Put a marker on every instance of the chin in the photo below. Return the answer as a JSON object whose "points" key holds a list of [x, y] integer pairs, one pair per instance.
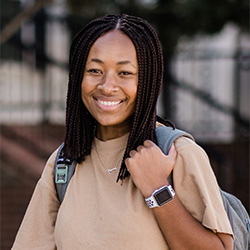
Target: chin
{"points": [[111, 122]]}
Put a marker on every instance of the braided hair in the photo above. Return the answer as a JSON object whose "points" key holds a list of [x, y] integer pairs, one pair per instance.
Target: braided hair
{"points": [[80, 125]]}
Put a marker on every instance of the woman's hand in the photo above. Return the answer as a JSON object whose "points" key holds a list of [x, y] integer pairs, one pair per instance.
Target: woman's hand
{"points": [[149, 167]]}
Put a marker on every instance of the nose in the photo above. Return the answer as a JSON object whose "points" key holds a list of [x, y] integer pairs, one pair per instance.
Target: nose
{"points": [[108, 84]]}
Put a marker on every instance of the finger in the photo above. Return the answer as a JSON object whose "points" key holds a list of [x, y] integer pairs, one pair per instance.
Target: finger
{"points": [[132, 153], [148, 143], [139, 148], [127, 163], [172, 151]]}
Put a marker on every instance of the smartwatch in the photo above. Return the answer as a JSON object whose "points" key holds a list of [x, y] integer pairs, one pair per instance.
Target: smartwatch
{"points": [[161, 197]]}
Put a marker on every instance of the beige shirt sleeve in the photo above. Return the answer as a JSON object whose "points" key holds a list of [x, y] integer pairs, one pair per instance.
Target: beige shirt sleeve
{"points": [[37, 229], [197, 188]]}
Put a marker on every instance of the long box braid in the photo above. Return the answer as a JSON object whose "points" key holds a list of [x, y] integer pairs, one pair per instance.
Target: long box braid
{"points": [[80, 125]]}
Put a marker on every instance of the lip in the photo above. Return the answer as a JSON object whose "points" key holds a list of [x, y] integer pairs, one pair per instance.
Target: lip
{"points": [[107, 104]]}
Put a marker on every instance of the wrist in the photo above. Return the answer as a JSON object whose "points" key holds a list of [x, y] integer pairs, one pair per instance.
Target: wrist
{"points": [[161, 196], [147, 192]]}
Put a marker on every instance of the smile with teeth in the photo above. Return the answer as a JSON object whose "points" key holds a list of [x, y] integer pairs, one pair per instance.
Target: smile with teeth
{"points": [[109, 103]]}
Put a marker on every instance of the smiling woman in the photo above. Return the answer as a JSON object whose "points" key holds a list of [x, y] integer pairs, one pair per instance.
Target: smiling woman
{"points": [[109, 85], [115, 76]]}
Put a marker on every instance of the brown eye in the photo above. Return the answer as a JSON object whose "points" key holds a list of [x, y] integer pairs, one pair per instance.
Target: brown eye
{"points": [[125, 73], [94, 71]]}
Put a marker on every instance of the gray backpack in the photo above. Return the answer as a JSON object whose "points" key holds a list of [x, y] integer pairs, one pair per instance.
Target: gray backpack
{"points": [[237, 214]]}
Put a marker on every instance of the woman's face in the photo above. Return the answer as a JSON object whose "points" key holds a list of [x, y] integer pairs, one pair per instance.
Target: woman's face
{"points": [[109, 84]]}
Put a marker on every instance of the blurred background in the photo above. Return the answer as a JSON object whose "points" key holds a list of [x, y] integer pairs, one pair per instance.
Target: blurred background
{"points": [[206, 45]]}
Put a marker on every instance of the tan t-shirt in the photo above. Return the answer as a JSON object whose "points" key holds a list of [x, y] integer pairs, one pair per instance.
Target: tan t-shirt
{"points": [[98, 213]]}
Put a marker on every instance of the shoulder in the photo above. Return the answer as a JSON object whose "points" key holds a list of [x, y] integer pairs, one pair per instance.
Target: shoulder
{"points": [[196, 186], [184, 142], [192, 164], [189, 148], [47, 177]]}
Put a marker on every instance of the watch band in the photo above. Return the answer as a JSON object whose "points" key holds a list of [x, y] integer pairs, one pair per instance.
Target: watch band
{"points": [[161, 196]]}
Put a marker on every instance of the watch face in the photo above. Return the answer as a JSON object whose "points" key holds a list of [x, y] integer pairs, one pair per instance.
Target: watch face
{"points": [[163, 196]]}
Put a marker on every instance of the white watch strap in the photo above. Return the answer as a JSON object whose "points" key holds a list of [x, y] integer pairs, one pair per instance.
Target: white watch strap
{"points": [[152, 202]]}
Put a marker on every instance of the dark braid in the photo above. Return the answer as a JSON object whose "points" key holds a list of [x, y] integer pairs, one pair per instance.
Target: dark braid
{"points": [[80, 125]]}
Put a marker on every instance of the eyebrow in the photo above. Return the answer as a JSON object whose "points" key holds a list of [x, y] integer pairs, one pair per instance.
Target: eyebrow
{"points": [[126, 62], [119, 63], [96, 60]]}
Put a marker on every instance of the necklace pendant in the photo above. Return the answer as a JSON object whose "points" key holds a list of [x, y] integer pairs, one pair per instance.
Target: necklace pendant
{"points": [[111, 170]]}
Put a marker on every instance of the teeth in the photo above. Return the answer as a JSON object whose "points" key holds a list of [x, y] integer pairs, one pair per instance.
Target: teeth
{"points": [[108, 103]]}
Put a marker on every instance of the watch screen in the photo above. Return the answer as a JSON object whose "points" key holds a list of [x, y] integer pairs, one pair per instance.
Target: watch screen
{"points": [[163, 196]]}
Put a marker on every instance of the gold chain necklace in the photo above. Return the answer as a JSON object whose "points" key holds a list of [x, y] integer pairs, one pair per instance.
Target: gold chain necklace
{"points": [[109, 170]]}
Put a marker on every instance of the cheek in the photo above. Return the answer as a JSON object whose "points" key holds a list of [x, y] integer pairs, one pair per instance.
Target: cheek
{"points": [[133, 93], [133, 97], [84, 92], [86, 86]]}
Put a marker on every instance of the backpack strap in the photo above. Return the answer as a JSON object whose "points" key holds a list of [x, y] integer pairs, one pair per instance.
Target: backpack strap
{"points": [[165, 137], [63, 171], [237, 214], [239, 220]]}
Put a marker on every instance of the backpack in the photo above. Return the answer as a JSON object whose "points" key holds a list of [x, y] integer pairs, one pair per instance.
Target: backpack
{"points": [[237, 214]]}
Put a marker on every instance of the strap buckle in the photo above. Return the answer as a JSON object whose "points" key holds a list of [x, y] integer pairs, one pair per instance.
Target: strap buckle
{"points": [[61, 175]]}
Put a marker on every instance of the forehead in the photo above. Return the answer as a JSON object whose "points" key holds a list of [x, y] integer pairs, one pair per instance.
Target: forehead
{"points": [[113, 36], [114, 43]]}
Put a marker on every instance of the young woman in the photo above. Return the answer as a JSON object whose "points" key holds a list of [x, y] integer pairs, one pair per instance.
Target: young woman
{"points": [[115, 76]]}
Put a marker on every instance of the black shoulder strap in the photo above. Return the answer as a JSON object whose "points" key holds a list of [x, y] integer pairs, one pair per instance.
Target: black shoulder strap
{"points": [[63, 171]]}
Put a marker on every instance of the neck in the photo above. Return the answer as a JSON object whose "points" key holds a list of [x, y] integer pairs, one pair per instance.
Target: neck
{"points": [[105, 133]]}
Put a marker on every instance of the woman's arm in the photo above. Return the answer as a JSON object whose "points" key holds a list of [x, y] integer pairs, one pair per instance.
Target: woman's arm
{"points": [[37, 228], [149, 169], [182, 231]]}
